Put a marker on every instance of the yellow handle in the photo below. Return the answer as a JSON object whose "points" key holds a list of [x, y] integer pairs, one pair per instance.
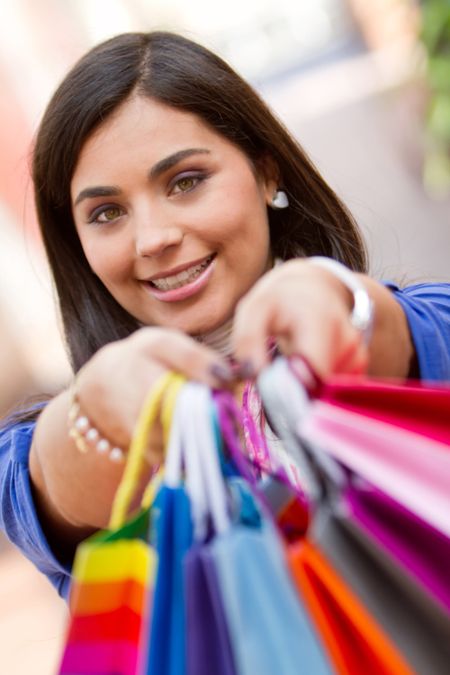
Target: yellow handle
{"points": [[167, 409], [136, 453]]}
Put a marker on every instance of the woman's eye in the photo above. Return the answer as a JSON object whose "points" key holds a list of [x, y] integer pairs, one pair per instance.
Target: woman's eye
{"points": [[186, 184], [106, 215]]}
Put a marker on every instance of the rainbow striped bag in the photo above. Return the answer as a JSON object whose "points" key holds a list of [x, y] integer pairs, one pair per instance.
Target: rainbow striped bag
{"points": [[114, 571]]}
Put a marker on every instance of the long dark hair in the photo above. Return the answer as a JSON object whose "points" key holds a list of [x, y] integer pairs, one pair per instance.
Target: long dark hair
{"points": [[182, 74]]}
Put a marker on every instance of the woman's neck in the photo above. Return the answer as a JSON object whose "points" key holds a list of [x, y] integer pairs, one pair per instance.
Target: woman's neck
{"points": [[219, 339]]}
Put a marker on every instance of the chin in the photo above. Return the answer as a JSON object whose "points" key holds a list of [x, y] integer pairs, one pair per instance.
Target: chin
{"points": [[202, 327], [200, 316], [208, 322]]}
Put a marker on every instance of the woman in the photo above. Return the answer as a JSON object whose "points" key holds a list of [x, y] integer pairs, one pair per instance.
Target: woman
{"points": [[169, 200]]}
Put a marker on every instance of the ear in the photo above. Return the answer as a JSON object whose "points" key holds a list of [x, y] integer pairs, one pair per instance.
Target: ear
{"points": [[270, 176]]}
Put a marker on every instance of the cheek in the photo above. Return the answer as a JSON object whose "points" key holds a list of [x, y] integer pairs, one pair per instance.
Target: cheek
{"points": [[105, 258], [237, 215]]}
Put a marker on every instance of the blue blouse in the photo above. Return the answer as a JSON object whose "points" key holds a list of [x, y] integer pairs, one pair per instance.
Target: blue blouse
{"points": [[427, 308]]}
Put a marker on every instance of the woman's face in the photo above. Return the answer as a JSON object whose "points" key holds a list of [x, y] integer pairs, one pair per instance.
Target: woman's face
{"points": [[171, 216]]}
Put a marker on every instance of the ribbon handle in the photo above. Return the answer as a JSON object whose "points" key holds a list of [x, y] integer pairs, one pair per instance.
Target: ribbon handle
{"points": [[165, 389]]}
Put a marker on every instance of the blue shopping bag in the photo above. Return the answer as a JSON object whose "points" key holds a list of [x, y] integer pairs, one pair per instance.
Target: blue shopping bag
{"points": [[172, 537]]}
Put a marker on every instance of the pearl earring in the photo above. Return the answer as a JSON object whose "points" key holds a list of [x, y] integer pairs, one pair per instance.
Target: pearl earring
{"points": [[279, 200]]}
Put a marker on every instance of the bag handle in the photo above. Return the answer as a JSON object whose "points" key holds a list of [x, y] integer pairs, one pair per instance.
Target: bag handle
{"points": [[193, 446], [288, 403], [195, 485], [147, 417], [229, 414], [280, 397], [172, 430], [167, 416], [208, 453]]}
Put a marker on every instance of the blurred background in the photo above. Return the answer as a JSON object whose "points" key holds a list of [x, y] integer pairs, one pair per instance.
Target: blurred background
{"points": [[363, 84]]}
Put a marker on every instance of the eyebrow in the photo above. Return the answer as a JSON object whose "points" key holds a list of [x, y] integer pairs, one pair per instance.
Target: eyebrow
{"points": [[97, 191], [170, 161], [160, 167]]}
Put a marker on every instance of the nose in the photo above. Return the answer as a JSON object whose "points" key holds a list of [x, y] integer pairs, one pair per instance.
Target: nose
{"points": [[152, 238]]}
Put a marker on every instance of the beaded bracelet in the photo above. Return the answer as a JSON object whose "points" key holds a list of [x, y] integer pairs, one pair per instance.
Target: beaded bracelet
{"points": [[86, 436]]}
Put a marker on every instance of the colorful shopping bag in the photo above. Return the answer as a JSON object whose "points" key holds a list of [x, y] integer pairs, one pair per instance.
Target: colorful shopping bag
{"points": [[420, 551], [186, 581], [257, 589], [113, 573], [412, 468], [354, 639], [173, 538], [254, 601], [270, 632], [107, 601], [208, 641], [418, 629], [422, 409], [361, 575]]}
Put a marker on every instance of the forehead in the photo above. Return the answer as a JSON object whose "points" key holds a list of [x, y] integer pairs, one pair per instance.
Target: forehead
{"points": [[145, 123]]}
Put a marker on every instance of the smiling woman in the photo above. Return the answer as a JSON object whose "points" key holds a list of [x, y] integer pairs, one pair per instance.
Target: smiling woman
{"points": [[182, 224], [169, 95], [151, 239]]}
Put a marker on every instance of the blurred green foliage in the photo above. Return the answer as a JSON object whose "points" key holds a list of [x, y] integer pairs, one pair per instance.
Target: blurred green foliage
{"points": [[436, 40]]}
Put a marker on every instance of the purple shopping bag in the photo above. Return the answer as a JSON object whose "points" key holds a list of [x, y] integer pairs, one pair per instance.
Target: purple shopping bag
{"points": [[421, 551], [208, 642]]}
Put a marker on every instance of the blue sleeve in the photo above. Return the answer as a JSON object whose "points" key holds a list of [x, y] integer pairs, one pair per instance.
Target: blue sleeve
{"points": [[427, 309], [18, 517]]}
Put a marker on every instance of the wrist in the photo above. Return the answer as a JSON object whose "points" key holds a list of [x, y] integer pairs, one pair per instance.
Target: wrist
{"points": [[362, 307], [85, 434]]}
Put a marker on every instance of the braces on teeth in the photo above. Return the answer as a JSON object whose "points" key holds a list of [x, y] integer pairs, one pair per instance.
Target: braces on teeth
{"points": [[181, 279]]}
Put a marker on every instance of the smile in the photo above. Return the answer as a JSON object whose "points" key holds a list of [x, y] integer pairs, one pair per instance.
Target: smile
{"points": [[183, 278], [184, 284]]}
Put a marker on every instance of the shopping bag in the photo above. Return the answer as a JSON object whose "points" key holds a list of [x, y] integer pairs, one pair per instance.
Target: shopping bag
{"points": [[172, 540], [395, 435], [417, 628], [171, 534], [112, 575], [264, 629], [420, 408], [256, 586], [411, 468], [185, 579], [349, 563], [403, 436], [420, 552], [107, 601], [269, 630], [208, 641], [354, 639]]}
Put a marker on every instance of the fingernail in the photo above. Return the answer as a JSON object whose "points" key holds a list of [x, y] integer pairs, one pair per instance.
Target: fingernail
{"points": [[222, 373], [245, 370]]}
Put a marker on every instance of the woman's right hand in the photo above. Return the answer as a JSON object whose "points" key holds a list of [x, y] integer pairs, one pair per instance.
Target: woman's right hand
{"points": [[112, 387], [75, 490]]}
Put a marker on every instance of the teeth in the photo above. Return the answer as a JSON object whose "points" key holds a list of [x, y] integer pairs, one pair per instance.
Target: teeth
{"points": [[181, 279]]}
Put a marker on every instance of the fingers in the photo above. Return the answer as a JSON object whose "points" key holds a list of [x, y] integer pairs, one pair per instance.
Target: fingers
{"points": [[114, 384], [179, 352], [251, 336], [304, 314]]}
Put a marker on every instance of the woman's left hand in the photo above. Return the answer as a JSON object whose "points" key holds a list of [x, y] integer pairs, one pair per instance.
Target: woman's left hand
{"points": [[306, 310]]}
